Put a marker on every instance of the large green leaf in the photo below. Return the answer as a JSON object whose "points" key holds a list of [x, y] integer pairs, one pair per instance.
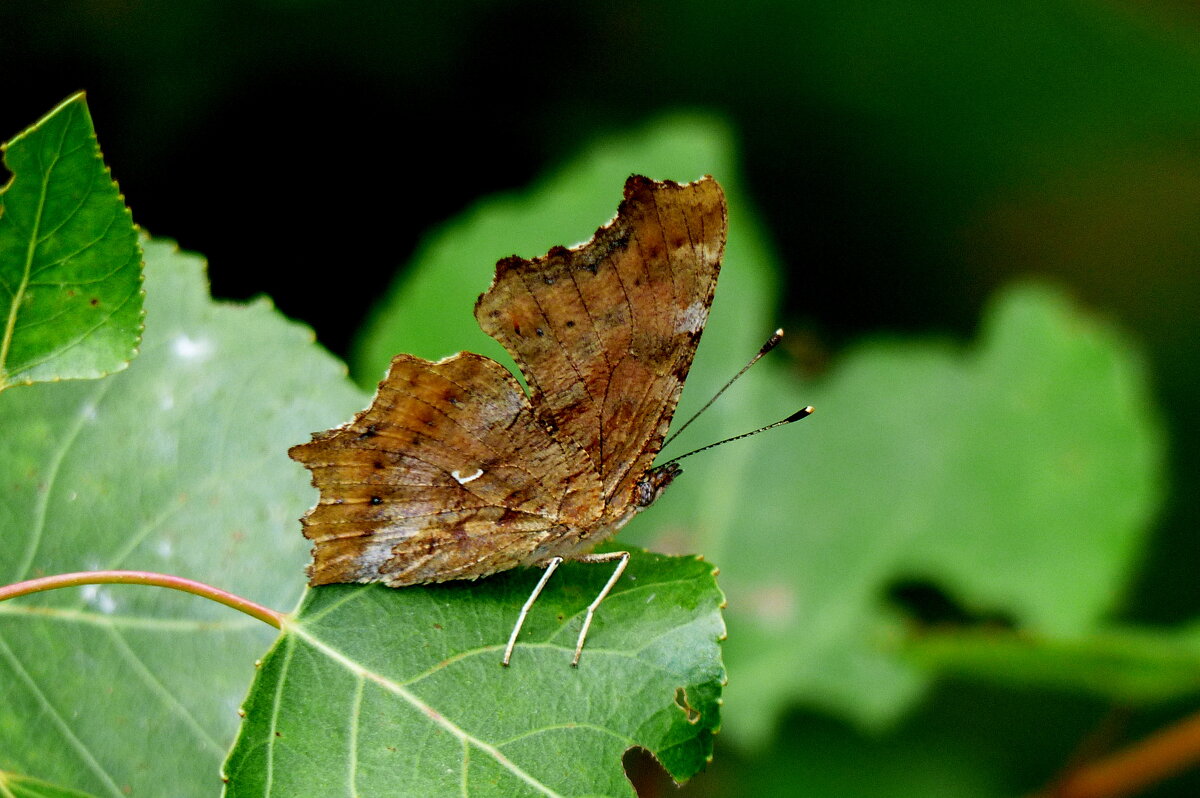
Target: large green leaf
{"points": [[382, 692], [177, 464], [70, 265]]}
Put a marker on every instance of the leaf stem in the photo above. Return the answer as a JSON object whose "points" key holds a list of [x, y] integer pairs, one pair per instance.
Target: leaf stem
{"points": [[1163, 754], [264, 614]]}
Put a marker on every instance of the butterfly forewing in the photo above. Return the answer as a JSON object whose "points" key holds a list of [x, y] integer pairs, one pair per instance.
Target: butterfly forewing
{"points": [[605, 333]]}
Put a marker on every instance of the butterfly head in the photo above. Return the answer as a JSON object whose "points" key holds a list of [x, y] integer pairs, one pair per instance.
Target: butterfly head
{"points": [[653, 483]]}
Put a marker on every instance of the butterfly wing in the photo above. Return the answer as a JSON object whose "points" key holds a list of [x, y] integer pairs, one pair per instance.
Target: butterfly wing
{"points": [[605, 333], [447, 475]]}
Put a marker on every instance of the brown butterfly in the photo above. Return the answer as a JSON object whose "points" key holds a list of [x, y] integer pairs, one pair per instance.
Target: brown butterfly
{"points": [[454, 472]]}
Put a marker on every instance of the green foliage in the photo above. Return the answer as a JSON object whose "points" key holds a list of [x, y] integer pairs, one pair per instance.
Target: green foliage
{"points": [[1017, 475], [179, 465], [70, 266], [373, 691]]}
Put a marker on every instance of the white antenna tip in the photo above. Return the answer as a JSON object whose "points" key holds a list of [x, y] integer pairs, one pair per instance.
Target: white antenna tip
{"points": [[799, 414]]}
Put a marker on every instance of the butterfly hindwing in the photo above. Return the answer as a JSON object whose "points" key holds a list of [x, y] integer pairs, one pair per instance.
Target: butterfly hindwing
{"points": [[446, 476]]}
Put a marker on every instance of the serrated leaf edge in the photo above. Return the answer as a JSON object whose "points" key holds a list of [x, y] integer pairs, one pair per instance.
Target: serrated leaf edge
{"points": [[6, 380]]}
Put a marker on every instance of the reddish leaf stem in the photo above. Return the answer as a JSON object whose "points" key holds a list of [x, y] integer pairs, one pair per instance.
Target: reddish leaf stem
{"points": [[1163, 754], [264, 614]]}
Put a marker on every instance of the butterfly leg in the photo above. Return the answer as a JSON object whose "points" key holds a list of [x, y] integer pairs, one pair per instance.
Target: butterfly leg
{"points": [[607, 556], [551, 566]]}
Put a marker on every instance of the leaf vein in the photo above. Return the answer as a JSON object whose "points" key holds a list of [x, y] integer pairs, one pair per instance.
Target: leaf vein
{"points": [[56, 461], [60, 724], [565, 727], [30, 612], [355, 722], [157, 688], [276, 704], [432, 714], [112, 222]]}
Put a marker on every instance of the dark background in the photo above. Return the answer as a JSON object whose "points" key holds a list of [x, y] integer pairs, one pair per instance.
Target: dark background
{"points": [[908, 157]]}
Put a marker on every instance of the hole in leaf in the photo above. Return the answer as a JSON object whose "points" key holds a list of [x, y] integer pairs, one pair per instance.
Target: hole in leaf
{"points": [[648, 776], [681, 701]]}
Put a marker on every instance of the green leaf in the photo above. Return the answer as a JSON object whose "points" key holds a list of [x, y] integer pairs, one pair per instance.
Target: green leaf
{"points": [[177, 464], [373, 691], [1018, 476], [13, 785], [70, 265]]}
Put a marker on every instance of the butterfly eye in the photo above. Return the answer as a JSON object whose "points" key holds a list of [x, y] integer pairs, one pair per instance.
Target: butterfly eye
{"points": [[650, 487]]}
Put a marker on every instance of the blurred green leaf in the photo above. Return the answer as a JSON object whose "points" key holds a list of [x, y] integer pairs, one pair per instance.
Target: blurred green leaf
{"points": [[177, 464], [1018, 476], [70, 265], [375, 691], [13, 785]]}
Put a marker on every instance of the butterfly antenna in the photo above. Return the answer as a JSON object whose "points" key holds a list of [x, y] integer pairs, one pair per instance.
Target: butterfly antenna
{"points": [[771, 343], [799, 414]]}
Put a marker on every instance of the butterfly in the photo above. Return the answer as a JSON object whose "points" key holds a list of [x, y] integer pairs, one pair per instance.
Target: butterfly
{"points": [[455, 472]]}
